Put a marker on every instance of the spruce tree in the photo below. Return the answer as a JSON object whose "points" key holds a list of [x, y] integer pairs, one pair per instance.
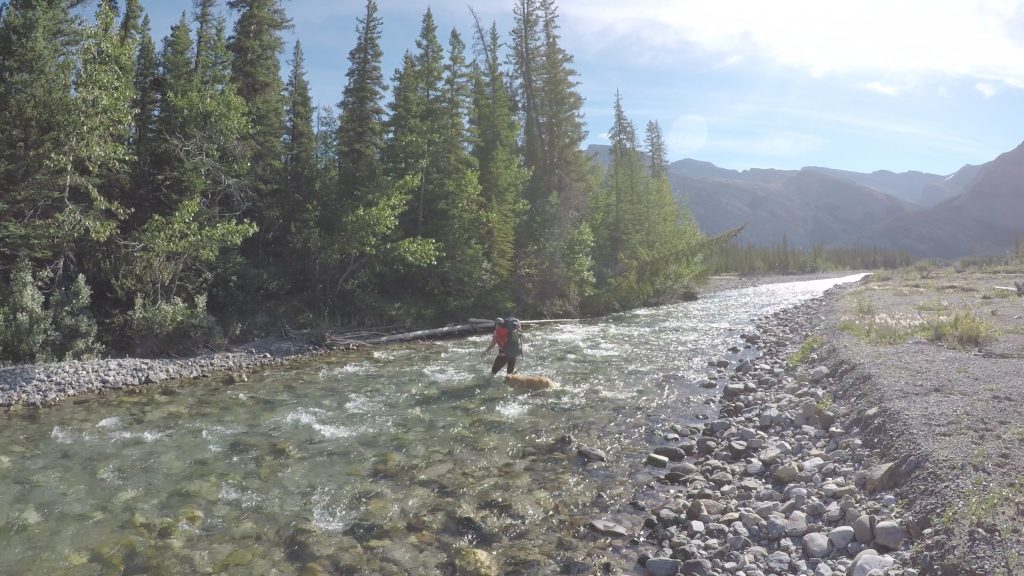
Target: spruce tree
{"points": [[142, 187], [64, 101], [255, 46], [299, 144], [502, 177], [361, 130], [550, 107], [460, 226], [36, 110], [299, 186], [132, 29], [359, 221], [413, 128], [656, 150]]}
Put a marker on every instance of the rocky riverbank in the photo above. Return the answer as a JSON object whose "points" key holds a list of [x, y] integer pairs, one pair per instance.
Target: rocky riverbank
{"points": [[837, 454], [48, 384]]}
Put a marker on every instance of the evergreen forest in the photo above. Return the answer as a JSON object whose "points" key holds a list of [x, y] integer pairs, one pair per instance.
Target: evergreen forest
{"points": [[169, 197], [164, 197]]}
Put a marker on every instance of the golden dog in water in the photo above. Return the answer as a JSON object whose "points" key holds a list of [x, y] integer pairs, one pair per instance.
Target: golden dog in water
{"points": [[520, 382]]}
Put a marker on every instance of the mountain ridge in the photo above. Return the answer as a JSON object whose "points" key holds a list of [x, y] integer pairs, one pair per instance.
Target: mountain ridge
{"points": [[977, 210]]}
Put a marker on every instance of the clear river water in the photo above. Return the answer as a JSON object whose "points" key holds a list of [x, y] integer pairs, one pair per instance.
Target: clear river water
{"points": [[381, 461]]}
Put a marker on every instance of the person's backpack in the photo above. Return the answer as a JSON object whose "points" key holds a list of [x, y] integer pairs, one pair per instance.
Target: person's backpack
{"points": [[514, 345]]}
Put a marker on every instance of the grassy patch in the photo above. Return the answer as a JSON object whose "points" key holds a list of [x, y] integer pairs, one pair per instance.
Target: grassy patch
{"points": [[885, 329], [987, 504], [805, 351], [993, 294], [936, 306], [962, 330]]}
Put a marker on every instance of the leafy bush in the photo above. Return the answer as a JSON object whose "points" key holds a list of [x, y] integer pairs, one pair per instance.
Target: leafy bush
{"points": [[171, 326], [26, 328], [74, 328]]}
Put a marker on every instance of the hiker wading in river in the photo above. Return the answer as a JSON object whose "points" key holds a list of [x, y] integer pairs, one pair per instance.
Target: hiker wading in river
{"points": [[508, 336]]}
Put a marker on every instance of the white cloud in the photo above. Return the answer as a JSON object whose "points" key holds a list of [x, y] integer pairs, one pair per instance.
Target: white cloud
{"points": [[686, 135], [981, 39], [790, 145], [886, 128], [987, 89], [881, 88]]}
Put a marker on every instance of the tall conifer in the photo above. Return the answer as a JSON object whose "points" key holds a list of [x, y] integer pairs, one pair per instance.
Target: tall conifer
{"points": [[495, 131], [361, 130], [359, 222], [550, 107], [255, 46]]}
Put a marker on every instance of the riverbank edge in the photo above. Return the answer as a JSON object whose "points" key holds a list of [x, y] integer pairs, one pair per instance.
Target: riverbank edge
{"points": [[787, 479], [40, 385]]}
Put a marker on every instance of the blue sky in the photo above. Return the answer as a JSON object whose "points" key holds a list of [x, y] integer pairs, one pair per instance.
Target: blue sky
{"points": [[862, 85]]}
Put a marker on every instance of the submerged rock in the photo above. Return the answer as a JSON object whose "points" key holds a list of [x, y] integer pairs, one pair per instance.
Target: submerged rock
{"points": [[474, 562]]}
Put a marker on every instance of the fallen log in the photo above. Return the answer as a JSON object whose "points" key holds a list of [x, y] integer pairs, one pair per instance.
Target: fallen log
{"points": [[433, 333], [526, 322], [474, 325], [1019, 288]]}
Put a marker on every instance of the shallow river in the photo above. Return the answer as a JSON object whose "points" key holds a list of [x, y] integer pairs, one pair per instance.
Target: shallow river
{"points": [[384, 461]]}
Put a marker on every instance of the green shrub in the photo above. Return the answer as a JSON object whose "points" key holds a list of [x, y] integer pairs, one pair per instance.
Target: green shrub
{"points": [[862, 306], [73, 324], [171, 326], [25, 324]]}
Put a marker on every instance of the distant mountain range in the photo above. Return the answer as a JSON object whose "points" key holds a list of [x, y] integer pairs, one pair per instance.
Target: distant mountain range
{"points": [[978, 210]]}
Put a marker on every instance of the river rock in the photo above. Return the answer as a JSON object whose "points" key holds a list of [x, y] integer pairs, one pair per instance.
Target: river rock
{"points": [[776, 527], [474, 562], [694, 528], [788, 472], [673, 453], [841, 537], [867, 561], [881, 477], [657, 461], [696, 567], [797, 524], [863, 528], [662, 567], [778, 562], [685, 468], [608, 528], [819, 373], [816, 545], [733, 390], [591, 453], [889, 534]]}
